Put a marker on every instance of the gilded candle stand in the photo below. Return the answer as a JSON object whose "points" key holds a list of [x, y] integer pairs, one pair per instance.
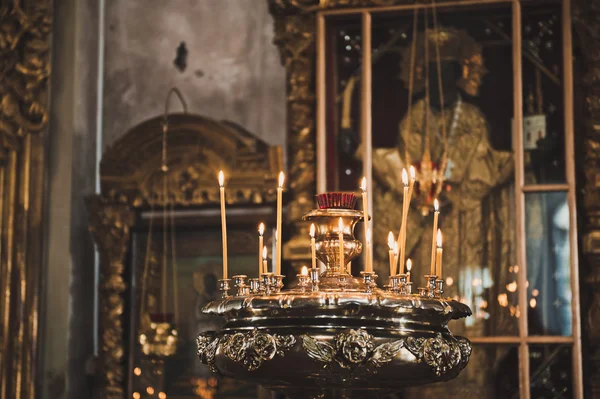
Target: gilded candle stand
{"points": [[341, 335]]}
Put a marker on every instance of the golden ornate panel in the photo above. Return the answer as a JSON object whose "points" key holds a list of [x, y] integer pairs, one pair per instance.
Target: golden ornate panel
{"points": [[131, 180], [25, 28]]}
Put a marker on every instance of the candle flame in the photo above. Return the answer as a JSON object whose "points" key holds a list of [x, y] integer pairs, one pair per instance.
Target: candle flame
{"points": [[436, 205], [264, 253], [369, 236], [312, 230], [363, 184], [395, 248], [404, 177], [408, 264], [281, 179], [261, 229], [304, 271], [391, 240], [221, 179], [439, 238], [341, 225], [412, 173]]}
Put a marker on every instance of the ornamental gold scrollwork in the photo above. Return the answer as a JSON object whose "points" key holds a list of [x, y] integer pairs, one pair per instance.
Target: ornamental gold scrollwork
{"points": [[110, 224], [251, 348], [586, 23], [24, 67], [440, 353], [352, 350]]}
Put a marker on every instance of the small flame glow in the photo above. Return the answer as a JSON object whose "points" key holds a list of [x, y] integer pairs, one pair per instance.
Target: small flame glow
{"points": [[395, 248], [449, 281], [281, 179], [391, 240], [412, 173], [533, 302], [408, 263], [436, 205], [221, 179], [363, 184], [261, 229], [304, 271], [404, 177], [264, 253], [341, 225], [439, 238], [312, 230]]}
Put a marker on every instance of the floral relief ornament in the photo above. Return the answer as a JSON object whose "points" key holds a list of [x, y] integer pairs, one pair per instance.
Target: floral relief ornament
{"points": [[249, 348]]}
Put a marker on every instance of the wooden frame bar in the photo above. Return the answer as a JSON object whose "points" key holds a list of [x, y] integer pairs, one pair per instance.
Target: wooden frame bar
{"points": [[410, 6], [537, 188], [520, 198], [570, 174]]}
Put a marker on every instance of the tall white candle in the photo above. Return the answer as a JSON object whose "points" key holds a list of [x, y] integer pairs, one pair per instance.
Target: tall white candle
{"points": [[341, 244], [223, 222], [261, 233], [439, 254], [279, 212], [411, 183], [402, 236], [265, 268], [369, 250], [391, 243], [313, 249], [395, 252], [368, 261], [436, 214]]}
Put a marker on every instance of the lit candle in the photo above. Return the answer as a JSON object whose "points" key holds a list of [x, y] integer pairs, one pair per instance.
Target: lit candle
{"points": [[264, 260], [391, 243], [408, 267], [436, 214], [313, 249], [304, 271], [279, 211], [363, 186], [341, 243], [369, 250], [395, 252], [411, 184], [261, 232], [223, 222], [402, 236], [438, 254]]}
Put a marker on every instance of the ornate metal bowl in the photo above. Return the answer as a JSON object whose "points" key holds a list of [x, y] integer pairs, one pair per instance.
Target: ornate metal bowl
{"points": [[335, 335], [304, 343]]}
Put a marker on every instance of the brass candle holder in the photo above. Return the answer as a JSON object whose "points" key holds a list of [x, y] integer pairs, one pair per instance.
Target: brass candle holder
{"points": [[224, 286], [335, 330]]}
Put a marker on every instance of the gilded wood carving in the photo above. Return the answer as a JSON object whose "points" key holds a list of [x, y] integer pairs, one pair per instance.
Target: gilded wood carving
{"points": [[24, 76], [586, 21], [131, 180]]}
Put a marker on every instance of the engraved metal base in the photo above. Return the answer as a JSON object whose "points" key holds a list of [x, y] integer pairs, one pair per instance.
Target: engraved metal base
{"points": [[342, 340]]}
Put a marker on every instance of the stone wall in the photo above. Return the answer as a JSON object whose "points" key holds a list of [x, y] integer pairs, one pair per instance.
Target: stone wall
{"points": [[233, 70]]}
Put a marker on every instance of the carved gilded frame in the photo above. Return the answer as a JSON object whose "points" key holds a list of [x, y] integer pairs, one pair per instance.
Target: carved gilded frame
{"points": [[25, 28], [131, 181], [296, 25]]}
